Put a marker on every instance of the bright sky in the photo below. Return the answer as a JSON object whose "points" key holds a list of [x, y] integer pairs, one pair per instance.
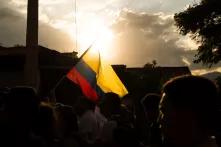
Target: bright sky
{"points": [[94, 17], [131, 32]]}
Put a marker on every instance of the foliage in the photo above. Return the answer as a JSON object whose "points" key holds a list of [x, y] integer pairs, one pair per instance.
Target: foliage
{"points": [[153, 64], [18, 45], [203, 22]]}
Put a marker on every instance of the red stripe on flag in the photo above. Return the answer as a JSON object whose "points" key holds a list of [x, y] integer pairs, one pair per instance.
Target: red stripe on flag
{"points": [[77, 78]]}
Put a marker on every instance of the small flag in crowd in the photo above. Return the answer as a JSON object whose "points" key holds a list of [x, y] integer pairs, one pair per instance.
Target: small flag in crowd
{"points": [[95, 77]]}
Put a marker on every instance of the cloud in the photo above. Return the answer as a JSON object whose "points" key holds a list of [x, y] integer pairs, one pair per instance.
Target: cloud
{"points": [[152, 6], [12, 27], [143, 37], [6, 12], [143, 33], [13, 31]]}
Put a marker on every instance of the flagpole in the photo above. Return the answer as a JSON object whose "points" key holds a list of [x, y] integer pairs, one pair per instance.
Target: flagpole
{"points": [[64, 76], [86, 51]]}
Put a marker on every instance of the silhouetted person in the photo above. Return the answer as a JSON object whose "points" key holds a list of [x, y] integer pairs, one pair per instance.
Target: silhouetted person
{"points": [[21, 109], [87, 123], [189, 112], [150, 103], [110, 105], [116, 115], [112, 109], [128, 101], [67, 126], [45, 125]]}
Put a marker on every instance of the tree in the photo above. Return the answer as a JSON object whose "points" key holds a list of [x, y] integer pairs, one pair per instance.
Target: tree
{"points": [[153, 64], [203, 22], [148, 65], [18, 45]]}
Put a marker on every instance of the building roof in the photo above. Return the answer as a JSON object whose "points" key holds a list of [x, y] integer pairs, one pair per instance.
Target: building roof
{"points": [[14, 57]]}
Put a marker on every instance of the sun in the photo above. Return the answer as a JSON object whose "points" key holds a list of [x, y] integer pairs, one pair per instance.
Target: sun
{"points": [[96, 34], [103, 42]]}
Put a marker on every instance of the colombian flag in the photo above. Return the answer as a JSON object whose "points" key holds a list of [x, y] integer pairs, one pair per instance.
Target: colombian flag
{"points": [[95, 77]]}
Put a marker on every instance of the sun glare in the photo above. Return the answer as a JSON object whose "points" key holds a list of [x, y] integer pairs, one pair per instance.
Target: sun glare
{"points": [[103, 41], [95, 33]]}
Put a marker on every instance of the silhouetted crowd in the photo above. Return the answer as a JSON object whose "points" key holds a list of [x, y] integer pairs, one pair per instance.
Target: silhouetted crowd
{"points": [[187, 113]]}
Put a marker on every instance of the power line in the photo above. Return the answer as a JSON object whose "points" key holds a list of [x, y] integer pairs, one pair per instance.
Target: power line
{"points": [[74, 4], [76, 29]]}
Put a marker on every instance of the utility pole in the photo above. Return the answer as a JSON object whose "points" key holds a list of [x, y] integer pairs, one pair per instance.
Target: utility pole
{"points": [[32, 76]]}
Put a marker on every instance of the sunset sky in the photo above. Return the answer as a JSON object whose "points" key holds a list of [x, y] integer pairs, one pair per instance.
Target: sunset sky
{"points": [[131, 32]]}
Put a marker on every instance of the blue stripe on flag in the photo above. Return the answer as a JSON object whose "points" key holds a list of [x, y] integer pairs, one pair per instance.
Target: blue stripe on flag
{"points": [[89, 75]]}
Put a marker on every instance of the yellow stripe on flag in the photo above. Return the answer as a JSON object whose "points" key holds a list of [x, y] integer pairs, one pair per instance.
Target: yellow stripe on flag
{"points": [[92, 59], [108, 80]]}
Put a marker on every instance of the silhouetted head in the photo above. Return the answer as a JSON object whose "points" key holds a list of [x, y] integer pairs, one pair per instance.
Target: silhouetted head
{"points": [[128, 101], [21, 109], [22, 101], [46, 121], [189, 110], [150, 103], [67, 120], [110, 105]]}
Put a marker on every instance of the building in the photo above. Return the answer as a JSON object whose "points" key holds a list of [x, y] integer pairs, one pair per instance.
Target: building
{"points": [[140, 81], [53, 66]]}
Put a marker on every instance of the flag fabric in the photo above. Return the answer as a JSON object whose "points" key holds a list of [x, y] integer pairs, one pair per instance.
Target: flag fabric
{"points": [[95, 76]]}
